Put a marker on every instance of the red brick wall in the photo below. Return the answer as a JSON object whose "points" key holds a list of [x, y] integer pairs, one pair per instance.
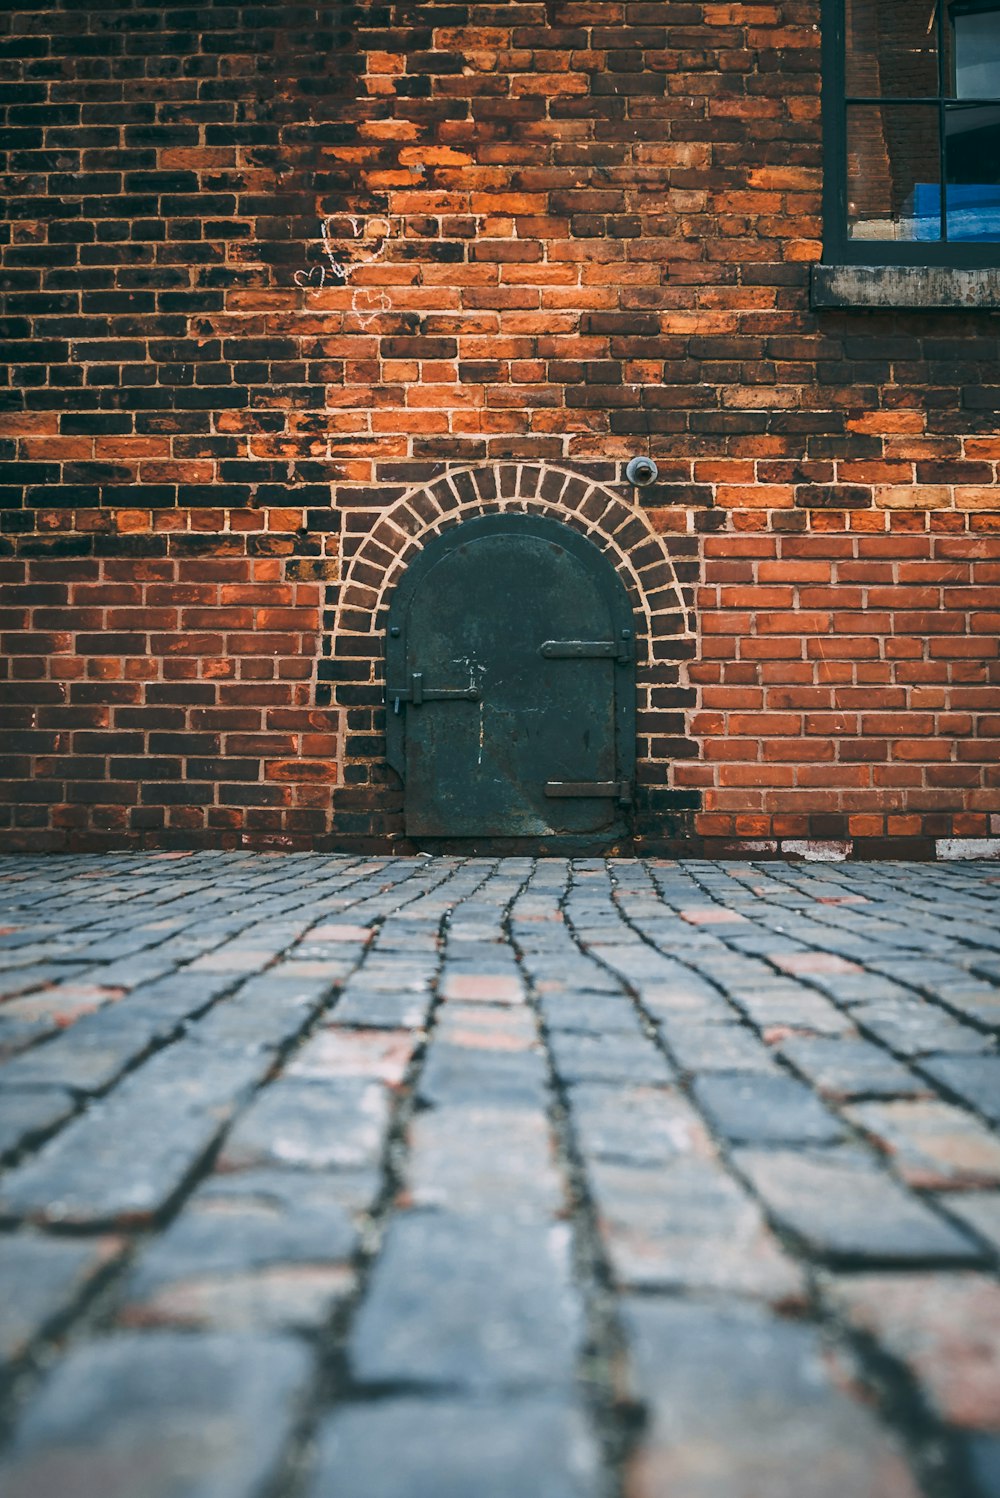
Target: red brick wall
{"points": [[557, 235]]}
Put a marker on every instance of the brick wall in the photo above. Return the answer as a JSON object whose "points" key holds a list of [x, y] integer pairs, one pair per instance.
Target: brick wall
{"points": [[273, 270]]}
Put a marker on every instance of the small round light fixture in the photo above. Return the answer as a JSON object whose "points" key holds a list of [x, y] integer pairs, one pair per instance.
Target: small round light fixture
{"points": [[641, 471]]}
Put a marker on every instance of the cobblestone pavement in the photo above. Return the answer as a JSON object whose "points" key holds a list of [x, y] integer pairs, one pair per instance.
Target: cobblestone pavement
{"points": [[331, 1177]]}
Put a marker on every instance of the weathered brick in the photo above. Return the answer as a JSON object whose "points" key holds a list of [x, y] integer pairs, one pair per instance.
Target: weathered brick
{"points": [[231, 390]]}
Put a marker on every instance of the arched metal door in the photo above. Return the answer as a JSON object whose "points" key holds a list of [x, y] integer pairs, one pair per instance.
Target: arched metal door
{"points": [[511, 684]]}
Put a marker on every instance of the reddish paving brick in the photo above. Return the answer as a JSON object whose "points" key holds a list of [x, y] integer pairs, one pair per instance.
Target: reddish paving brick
{"points": [[382, 1055], [483, 988], [798, 963], [711, 915], [932, 1144], [945, 1328]]}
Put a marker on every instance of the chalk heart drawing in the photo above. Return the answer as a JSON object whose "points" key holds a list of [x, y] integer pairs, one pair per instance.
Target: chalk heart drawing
{"points": [[313, 279], [369, 304], [349, 241]]}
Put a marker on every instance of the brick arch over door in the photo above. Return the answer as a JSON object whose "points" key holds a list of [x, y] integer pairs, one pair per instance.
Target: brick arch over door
{"points": [[660, 587]]}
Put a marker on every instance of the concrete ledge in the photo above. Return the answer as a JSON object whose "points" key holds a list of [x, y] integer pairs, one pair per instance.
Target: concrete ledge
{"points": [[890, 286], [952, 849]]}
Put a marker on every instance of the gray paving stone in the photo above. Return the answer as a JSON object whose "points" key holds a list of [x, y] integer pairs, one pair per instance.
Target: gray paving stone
{"points": [[711, 1048], [376, 1010], [918, 1029], [590, 1014], [92, 1056], [468, 1304], [974, 1080], [163, 1415], [21, 979], [741, 1404], [29, 1113], [455, 1075], [809, 1013], [444, 1448], [608, 1058], [562, 974], [979, 1003], [843, 1069], [687, 1002], [637, 1125], [843, 1207], [274, 1188], [94, 1052], [312, 1125], [264, 1015], [478, 1159], [979, 1210], [688, 1225], [765, 1109], [261, 1261], [124, 1160], [932, 1144], [43, 1280], [982, 1457]]}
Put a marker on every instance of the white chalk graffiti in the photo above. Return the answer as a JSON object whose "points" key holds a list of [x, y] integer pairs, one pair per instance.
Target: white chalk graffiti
{"points": [[369, 304], [349, 241]]}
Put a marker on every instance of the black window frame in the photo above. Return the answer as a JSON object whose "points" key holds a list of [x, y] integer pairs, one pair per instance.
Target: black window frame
{"points": [[838, 247]]}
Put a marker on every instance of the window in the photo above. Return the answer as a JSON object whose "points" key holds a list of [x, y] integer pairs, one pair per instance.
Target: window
{"points": [[911, 99]]}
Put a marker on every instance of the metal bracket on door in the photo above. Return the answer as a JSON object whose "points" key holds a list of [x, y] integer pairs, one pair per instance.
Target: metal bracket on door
{"points": [[566, 650], [614, 790], [416, 693]]}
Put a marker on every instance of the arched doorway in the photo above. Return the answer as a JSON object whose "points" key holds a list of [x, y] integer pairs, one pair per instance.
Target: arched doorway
{"points": [[510, 689]]}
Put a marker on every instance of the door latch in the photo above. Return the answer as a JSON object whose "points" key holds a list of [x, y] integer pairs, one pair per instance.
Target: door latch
{"points": [[416, 694], [612, 790], [576, 650]]}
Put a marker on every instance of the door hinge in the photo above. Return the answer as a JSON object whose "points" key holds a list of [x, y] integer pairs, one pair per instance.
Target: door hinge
{"points": [[575, 650], [614, 790], [416, 694]]}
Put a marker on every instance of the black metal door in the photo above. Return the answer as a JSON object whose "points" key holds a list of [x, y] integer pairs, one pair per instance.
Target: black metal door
{"points": [[510, 684]]}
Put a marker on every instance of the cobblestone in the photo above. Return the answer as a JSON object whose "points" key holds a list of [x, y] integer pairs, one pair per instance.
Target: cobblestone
{"points": [[743, 1404], [933, 1143], [124, 1160], [255, 1250], [973, 1080], [771, 1110], [844, 1206], [844, 1069], [48, 1277], [160, 1414], [529, 1179], [471, 1303], [410, 1448]]}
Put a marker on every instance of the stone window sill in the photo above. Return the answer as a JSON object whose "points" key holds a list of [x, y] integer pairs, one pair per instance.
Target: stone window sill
{"points": [[886, 287]]}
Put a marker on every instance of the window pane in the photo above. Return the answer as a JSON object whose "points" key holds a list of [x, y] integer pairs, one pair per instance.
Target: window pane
{"points": [[893, 180], [977, 52], [973, 166], [891, 48]]}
